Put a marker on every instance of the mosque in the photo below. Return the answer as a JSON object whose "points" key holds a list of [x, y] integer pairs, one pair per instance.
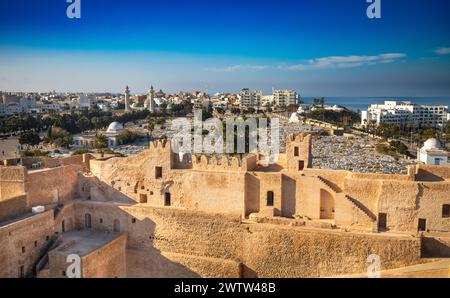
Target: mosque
{"points": [[86, 140]]}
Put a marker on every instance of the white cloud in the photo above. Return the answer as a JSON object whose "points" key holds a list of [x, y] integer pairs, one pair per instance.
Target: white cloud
{"points": [[239, 67], [344, 61], [442, 51]]}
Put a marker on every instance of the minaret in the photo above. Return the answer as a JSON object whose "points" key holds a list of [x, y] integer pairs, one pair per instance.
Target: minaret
{"points": [[127, 99], [150, 100]]}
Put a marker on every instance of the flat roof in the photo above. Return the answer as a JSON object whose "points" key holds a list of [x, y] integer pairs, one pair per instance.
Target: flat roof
{"points": [[84, 242]]}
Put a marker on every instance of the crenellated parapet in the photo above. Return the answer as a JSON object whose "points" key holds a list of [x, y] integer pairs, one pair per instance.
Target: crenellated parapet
{"points": [[298, 138], [160, 145], [223, 163]]}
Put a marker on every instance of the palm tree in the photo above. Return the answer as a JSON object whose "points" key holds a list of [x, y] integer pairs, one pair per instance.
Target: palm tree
{"points": [[150, 126], [322, 102]]}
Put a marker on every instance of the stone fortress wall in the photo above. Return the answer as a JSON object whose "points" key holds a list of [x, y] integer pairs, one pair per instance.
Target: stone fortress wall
{"points": [[203, 215], [241, 186]]}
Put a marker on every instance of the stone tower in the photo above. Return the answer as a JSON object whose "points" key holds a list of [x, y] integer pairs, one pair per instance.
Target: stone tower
{"points": [[127, 99], [298, 151], [151, 104]]}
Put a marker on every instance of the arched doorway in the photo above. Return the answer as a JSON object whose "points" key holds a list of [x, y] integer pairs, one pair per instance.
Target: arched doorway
{"points": [[116, 225], [87, 221], [326, 205]]}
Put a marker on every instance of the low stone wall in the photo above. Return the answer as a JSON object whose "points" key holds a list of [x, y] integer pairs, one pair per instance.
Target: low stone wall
{"points": [[13, 207], [290, 252], [108, 261], [50, 186], [12, 181], [154, 263], [203, 244], [23, 242], [48, 162]]}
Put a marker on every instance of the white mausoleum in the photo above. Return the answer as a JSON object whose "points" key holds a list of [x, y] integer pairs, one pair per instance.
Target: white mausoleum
{"points": [[432, 154]]}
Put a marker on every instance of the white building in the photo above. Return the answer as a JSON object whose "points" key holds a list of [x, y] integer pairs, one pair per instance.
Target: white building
{"points": [[335, 108], [284, 98], [86, 140], [295, 118], [267, 100], [406, 112], [11, 104], [250, 99], [85, 101], [49, 107], [432, 154], [304, 108]]}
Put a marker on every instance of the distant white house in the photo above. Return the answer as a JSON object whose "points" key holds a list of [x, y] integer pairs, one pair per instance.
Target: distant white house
{"points": [[432, 154], [304, 108]]}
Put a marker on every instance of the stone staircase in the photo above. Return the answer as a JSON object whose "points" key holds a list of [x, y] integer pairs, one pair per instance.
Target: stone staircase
{"points": [[362, 208], [358, 205], [42, 263], [331, 186]]}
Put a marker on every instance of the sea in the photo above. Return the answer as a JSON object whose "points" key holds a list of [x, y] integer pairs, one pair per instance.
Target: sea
{"points": [[362, 103]]}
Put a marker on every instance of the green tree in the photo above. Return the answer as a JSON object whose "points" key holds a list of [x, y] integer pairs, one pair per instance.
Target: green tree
{"points": [[29, 137], [151, 125], [83, 124], [126, 137], [59, 137], [100, 142]]}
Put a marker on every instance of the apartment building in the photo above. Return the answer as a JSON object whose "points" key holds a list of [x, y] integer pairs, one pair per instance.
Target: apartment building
{"points": [[250, 99], [284, 98], [406, 113]]}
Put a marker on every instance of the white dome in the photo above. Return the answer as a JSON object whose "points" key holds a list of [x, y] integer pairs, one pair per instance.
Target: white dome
{"points": [[295, 118], [115, 127], [431, 144]]}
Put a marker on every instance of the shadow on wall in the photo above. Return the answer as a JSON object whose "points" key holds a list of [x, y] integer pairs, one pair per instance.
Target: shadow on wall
{"points": [[424, 175], [96, 190], [248, 272], [142, 258], [436, 247]]}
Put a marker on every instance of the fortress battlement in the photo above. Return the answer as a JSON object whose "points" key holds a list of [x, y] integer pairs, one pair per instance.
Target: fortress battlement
{"points": [[160, 144], [222, 163], [298, 138]]}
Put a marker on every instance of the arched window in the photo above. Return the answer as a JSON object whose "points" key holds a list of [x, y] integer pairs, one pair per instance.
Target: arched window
{"points": [[270, 198], [87, 221], [116, 225]]}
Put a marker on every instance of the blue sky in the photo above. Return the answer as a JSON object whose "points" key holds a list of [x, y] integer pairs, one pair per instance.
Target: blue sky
{"points": [[319, 48]]}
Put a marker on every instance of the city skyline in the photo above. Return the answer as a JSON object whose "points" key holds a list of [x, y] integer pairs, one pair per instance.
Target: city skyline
{"points": [[326, 48]]}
